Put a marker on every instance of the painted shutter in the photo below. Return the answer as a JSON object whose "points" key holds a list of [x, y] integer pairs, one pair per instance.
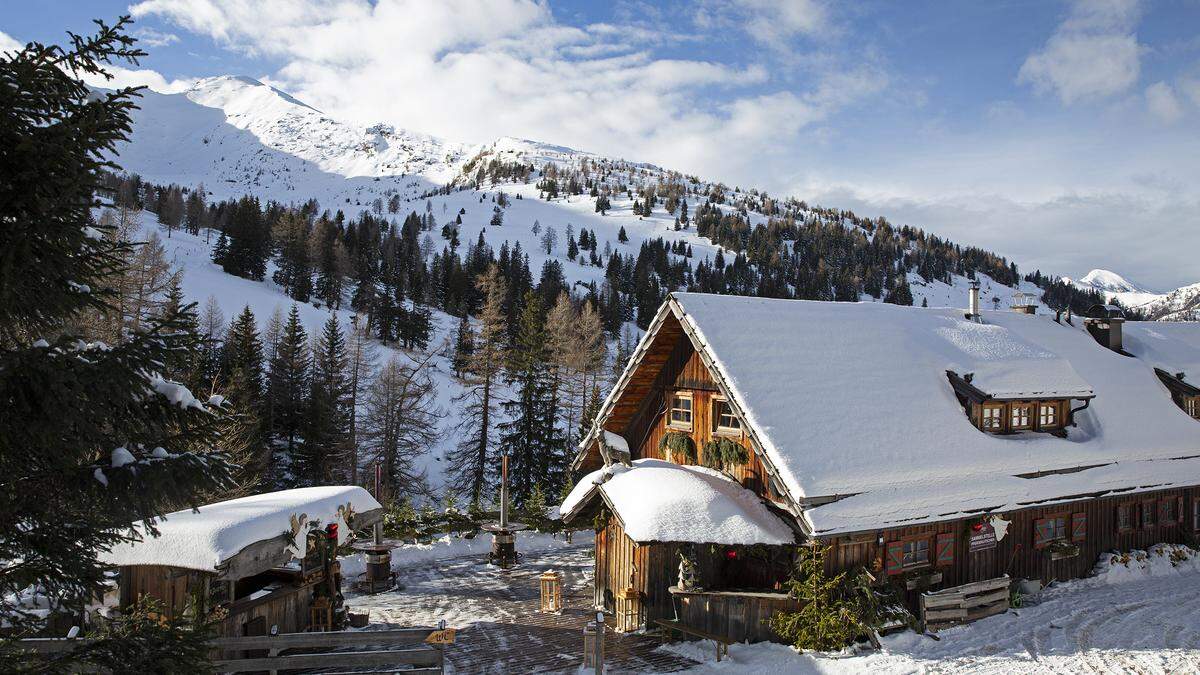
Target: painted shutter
{"points": [[1179, 509], [1043, 532], [895, 557], [1164, 511], [1078, 527], [945, 549]]}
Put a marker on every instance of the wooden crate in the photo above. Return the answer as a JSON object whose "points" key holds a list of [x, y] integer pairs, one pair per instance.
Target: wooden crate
{"points": [[963, 604]]}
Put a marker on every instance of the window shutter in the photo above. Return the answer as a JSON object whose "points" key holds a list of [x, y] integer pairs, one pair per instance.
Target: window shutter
{"points": [[1079, 527], [1043, 532], [1119, 511], [945, 549], [1179, 509], [895, 557], [1164, 511]]}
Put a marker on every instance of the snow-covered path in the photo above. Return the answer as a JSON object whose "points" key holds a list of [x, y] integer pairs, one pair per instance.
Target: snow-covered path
{"points": [[1149, 625]]}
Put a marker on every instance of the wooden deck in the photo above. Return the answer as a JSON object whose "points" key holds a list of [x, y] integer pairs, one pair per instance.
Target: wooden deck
{"points": [[500, 628]]}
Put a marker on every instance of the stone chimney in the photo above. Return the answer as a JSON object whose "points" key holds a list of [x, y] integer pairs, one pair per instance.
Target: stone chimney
{"points": [[1105, 325]]}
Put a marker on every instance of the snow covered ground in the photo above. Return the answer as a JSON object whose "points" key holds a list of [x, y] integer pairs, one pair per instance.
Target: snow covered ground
{"points": [[1143, 617]]}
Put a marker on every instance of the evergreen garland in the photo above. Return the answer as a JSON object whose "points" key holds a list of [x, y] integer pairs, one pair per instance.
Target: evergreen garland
{"points": [[678, 445], [723, 454]]}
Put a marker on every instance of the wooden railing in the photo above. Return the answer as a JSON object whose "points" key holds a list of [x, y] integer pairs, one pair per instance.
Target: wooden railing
{"points": [[309, 651]]}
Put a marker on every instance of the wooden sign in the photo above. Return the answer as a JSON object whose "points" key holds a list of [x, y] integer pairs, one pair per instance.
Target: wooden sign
{"points": [[441, 637], [982, 539]]}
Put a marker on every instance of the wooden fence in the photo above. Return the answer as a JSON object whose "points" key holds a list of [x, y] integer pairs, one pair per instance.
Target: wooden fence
{"points": [[963, 604], [319, 652]]}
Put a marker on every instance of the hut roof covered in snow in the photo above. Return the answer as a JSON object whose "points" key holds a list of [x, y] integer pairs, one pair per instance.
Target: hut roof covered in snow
{"points": [[662, 501], [851, 403], [258, 528]]}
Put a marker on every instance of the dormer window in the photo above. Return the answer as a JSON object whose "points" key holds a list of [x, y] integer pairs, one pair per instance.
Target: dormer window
{"points": [[993, 418], [1020, 420], [681, 411], [1185, 394], [1048, 417]]}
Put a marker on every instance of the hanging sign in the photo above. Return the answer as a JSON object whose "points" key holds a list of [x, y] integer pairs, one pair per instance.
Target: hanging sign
{"points": [[983, 537]]}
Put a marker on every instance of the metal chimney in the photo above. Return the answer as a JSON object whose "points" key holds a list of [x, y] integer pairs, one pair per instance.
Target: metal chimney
{"points": [[973, 302]]}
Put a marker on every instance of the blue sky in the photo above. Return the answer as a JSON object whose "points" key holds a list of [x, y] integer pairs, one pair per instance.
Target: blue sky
{"points": [[1062, 134]]}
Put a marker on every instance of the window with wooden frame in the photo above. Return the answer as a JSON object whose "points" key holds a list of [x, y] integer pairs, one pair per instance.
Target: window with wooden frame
{"points": [[1166, 511], [907, 554], [916, 553], [1020, 418], [1050, 529], [724, 421], [1125, 513], [1049, 415], [1192, 406], [680, 416], [1148, 513], [992, 417]]}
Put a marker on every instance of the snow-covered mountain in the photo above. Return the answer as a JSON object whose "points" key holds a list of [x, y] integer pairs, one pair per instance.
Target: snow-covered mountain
{"points": [[237, 136], [1181, 304]]}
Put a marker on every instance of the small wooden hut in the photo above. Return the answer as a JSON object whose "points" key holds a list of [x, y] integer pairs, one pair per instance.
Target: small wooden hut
{"points": [[268, 561]]}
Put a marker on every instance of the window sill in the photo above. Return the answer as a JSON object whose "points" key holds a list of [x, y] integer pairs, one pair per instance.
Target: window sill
{"points": [[728, 433], [679, 427]]}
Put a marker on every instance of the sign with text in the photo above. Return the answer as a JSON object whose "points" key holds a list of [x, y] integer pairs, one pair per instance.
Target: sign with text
{"points": [[441, 637], [983, 538]]}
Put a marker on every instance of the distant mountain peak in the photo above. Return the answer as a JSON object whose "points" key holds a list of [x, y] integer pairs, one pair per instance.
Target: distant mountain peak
{"points": [[1106, 280]]}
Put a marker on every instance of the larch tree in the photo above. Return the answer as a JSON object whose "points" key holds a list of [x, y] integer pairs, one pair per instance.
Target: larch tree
{"points": [[400, 423], [473, 460], [95, 439]]}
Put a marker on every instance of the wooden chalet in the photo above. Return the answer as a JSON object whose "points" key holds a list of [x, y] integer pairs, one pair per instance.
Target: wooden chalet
{"points": [[267, 561], [933, 447]]}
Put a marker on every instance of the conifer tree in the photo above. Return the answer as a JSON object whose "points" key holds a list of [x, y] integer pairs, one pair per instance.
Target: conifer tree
{"points": [[289, 390], [362, 356], [529, 436], [464, 346], [472, 462], [293, 271], [327, 424], [94, 438]]}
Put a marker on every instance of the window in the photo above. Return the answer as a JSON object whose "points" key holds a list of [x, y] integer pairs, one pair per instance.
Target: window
{"points": [[993, 417], [1049, 530], [1020, 417], [1193, 406], [1195, 514], [1047, 415], [1166, 511], [724, 421], [681, 411], [916, 553], [1148, 514], [1125, 517]]}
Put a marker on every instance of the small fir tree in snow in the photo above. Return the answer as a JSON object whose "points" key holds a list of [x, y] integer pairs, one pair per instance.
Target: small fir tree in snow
{"points": [[464, 346], [327, 423], [289, 390]]}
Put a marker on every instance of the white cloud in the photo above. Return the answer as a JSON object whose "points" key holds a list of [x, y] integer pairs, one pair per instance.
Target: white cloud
{"points": [[477, 69], [129, 77], [1094, 53], [149, 37], [1162, 102]]}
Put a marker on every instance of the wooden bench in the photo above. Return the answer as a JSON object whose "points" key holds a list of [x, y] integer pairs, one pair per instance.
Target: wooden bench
{"points": [[669, 626]]}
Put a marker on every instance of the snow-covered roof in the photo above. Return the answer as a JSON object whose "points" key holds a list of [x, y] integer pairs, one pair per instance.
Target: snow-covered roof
{"points": [[662, 501], [853, 398], [1172, 346], [209, 536]]}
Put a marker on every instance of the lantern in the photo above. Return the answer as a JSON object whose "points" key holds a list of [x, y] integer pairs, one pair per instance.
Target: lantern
{"points": [[551, 583], [593, 644], [628, 610]]}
